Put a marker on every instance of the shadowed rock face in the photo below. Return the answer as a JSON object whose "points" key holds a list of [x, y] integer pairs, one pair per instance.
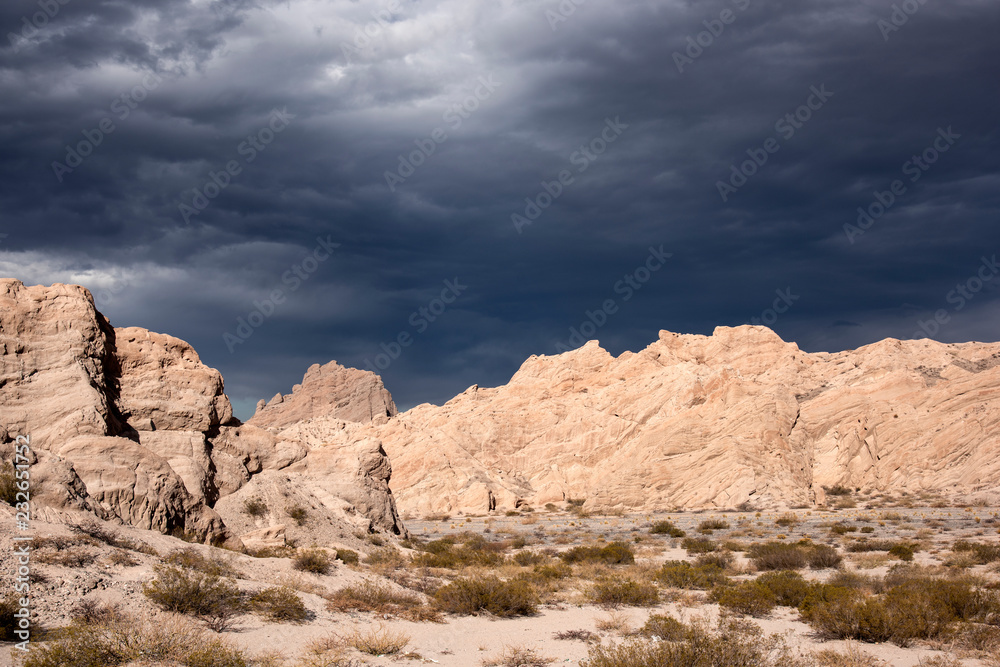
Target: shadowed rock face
{"points": [[706, 422], [130, 425]]}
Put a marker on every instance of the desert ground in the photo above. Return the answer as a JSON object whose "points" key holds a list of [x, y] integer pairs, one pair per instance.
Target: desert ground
{"points": [[578, 584]]}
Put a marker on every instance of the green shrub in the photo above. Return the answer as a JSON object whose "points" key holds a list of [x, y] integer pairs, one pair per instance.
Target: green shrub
{"points": [[664, 628], [698, 545], [214, 600], [616, 553], [617, 592], [777, 556], [500, 598], [279, 604], [255, 507], [316, 561], [682, 574], [746, 597], [788, 587], [666, 528]]}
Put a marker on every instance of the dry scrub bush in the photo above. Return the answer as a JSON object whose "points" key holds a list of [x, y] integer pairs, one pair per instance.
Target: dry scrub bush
{"points": [[8, 622], [708, 525], [490, 594], [982, 553], [206, 596], [279, 604], [616, 553], [194, 560], [735, 644], [375, 596], [316, 561], [618, 592], [379, 640], [348, 557], [921, 608], [517, 657], [682, 574], [663, 628], [778, 556], [788, 587], [853, 657], [666, 528], [129, 640], [698, 545], [745, 597]]}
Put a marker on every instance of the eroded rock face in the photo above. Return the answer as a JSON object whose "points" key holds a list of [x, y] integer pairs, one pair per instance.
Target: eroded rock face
{"points": [[706, 422], [130, 425], [330, 390]]}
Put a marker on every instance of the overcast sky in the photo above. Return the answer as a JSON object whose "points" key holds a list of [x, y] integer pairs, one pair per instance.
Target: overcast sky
{"points": [[508, 166]]}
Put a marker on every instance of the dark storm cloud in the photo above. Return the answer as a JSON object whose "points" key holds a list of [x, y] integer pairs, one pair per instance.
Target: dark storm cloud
{"points": [[494, 100]]}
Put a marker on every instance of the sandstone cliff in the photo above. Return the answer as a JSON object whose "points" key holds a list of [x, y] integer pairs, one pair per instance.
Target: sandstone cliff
{"points": [[706, 422], [130, 426]]}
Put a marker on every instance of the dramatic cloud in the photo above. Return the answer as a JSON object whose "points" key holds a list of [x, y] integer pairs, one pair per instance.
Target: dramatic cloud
{"points": [[458, 184]]}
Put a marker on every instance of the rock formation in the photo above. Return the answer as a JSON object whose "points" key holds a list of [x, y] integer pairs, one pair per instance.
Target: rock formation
{"points": [[706, 422], [129, 425]]}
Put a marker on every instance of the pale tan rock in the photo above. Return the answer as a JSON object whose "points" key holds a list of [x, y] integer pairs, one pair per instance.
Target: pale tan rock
{"points": [[330, 390], [272, 537], [130, 426], [705, 422]]}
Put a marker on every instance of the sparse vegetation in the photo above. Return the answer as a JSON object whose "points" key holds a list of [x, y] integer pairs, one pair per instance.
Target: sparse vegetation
{"points": [[215, 600], [488, 593], [663, 628], [255, 507], [617, 592], [778, 556], [377, 641], [8, 622], [518, 657], [347, 556], [698, 545], [682, 574], [298, 514], [616, 553], [709, 525], [374, 596], [666, 528], [279, 604], [316, 561], [127, 641], [745, 597]]}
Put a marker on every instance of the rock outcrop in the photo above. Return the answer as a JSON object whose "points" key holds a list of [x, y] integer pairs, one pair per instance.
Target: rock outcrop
{"points": [[131, 426], [706, 422]]}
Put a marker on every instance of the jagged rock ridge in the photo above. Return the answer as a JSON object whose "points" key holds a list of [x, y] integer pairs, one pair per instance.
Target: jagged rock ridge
{"points": [[129, 425], [706, 422]]}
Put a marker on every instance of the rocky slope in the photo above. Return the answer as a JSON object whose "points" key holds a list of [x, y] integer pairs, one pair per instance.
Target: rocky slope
{"points": [[706, 422], [130, 426]]}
